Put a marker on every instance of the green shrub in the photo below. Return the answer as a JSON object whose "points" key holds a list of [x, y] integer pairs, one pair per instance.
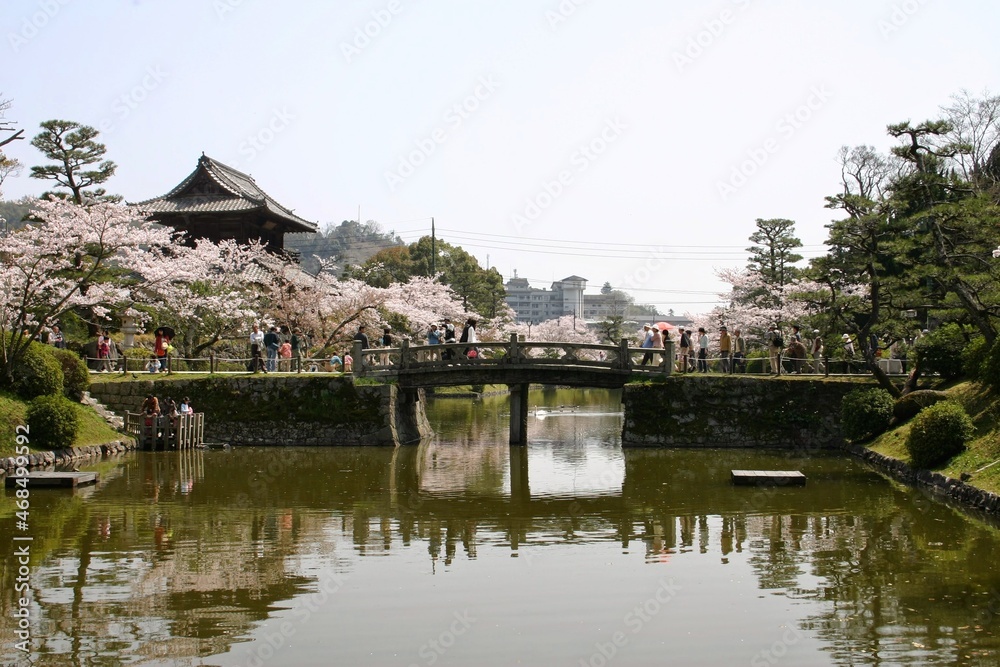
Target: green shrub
{"points": [[52, 422], [940, 351], [938, 433], [37, 373], [910, 405], [76, 379], [865, 413], [990, 372], [974, 357]]}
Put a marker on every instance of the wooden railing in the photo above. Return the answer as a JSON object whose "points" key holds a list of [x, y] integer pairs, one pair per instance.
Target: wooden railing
{"points": [[164, 432]]}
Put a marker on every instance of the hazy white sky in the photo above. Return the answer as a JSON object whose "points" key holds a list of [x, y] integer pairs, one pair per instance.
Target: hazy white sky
{"points": [[633, 142]]}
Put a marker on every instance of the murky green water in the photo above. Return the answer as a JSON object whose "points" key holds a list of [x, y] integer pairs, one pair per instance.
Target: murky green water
{"points": [[465, 552]]}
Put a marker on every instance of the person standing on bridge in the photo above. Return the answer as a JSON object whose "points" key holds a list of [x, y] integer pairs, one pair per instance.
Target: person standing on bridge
{"points": [[646, 344], [386, 341], [449, 337], [433, 338], [469, 336]]}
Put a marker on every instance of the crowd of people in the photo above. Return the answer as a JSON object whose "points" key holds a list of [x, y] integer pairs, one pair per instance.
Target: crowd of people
{"points": [[444, 333], [276, 349], [154, 407], [800, 353]]}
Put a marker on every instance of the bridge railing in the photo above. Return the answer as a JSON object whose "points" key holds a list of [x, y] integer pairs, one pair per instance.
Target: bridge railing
{"points": [[391, 360]]}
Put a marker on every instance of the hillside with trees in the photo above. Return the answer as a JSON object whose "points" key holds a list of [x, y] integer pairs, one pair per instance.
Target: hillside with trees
{"points": [[348, 244]]}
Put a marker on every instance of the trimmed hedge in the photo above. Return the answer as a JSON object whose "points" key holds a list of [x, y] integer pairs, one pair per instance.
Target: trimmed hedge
{"points": [[52, 422], [908, 406], [38, 373], [938, 433], [76, 379], [865, 413]]}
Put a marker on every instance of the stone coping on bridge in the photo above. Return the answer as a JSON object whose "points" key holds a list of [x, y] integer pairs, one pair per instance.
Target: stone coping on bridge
{"points": [[617, 362]]}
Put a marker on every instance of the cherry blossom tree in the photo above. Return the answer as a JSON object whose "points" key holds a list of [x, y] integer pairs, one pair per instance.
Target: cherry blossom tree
{"points": [[559, 329], [754, 316], [210, 292], [73, 257]]}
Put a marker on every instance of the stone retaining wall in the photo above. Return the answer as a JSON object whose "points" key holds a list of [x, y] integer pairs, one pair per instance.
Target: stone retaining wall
{"points": [[950, 488], [735, 411], [70, 455], [284, 410]]}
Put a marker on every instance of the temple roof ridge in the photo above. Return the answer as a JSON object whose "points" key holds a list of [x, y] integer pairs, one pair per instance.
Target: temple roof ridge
{"points": [[243, 194]]}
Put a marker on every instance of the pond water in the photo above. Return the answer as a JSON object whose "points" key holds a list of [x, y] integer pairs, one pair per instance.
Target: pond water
{"points": [[464, 551]]}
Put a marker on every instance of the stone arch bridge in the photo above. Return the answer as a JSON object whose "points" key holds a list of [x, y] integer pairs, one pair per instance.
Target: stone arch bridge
{"points": [[515, 363]]}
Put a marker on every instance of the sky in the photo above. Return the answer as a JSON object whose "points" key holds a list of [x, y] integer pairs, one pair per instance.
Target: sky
{"points": [[631, 142]]}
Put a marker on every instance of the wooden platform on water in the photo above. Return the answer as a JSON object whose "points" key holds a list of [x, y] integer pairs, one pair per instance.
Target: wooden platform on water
{"points": [[163, 432], [63, 480], [768, 478]]}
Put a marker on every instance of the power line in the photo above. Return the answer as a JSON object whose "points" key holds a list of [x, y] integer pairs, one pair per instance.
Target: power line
{"points": [[602, 244]]}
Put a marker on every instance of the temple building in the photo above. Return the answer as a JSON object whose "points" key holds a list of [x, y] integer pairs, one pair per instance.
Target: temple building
{"points": [[217, 202]]}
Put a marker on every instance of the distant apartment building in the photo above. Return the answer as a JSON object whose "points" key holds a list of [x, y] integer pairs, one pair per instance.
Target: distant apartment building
{"points": [[566, 297], [534, 304]]}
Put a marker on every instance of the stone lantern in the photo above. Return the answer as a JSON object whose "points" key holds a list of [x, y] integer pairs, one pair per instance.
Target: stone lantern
{"points": [[129, 329]]}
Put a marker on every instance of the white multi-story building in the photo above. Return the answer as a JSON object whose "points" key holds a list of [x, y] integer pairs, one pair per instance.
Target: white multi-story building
{"points": [[534, 305]]}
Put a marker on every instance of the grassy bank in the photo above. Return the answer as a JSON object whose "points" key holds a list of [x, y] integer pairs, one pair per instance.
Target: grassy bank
{"points": [[93, 430], [984, 408]]}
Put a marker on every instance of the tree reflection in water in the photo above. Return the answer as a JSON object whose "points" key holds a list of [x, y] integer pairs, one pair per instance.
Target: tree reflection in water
{"points": [[180, 556]]}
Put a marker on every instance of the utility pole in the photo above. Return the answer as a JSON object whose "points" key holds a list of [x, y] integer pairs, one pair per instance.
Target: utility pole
{"points": [[434, 253]]}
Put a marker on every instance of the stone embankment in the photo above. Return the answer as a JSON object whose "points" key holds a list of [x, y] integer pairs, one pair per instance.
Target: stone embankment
{"points": [[69, 455], [284, 410], [735, 411], [951, 489]]}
